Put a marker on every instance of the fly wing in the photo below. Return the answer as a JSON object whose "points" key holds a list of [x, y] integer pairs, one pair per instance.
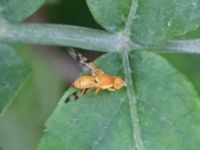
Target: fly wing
{"points": [[76, 95], [84, 62]]}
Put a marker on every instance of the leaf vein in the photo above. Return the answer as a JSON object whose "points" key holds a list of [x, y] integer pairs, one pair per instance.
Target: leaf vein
{"points": [[132, 103], [103, 133]]}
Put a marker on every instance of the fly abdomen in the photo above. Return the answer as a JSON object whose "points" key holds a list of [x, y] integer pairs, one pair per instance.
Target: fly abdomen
{"points": [[85, 82]]}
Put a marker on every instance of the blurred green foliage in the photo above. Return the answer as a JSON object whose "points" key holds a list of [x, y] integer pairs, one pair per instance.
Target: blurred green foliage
{"points": [[22, 123], [13, 74]]}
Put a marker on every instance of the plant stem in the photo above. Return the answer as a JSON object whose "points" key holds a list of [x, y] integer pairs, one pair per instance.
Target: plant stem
{"points": [[62, 35], [80, 37], [180, 46]]}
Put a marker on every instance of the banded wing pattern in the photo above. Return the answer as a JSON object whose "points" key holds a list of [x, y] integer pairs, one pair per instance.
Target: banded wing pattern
{"points": [[74, 96], [85, 64]]}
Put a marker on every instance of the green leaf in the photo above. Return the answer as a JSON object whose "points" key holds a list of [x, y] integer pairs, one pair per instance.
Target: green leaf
{"points": [[155, 21], [21, 125], [18, 10], [168, 111], [111, 14], [13, 73], [185, 63]]}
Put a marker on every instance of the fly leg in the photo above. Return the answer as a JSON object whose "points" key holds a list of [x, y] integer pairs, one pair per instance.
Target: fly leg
{"points": [[97, 90], [83, 91]]}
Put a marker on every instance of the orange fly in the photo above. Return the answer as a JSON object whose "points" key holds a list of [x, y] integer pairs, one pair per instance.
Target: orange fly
{"points": [[98, 79]]}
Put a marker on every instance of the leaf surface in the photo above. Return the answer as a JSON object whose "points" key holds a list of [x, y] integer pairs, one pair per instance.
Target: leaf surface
{"points": [[13, 74], [154, 22], [167, 105], [18, 10]]}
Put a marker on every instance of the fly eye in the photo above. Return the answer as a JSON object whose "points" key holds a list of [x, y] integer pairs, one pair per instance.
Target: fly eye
{"points": [[118, 83]]}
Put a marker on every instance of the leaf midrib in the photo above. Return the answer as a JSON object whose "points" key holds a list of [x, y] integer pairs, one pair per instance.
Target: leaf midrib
{"points": [[131, 17], [137, 139]]}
